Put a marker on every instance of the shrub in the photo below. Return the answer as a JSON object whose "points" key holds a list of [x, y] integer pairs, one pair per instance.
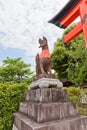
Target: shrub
{"points": [[74, 93], [10, 96]]}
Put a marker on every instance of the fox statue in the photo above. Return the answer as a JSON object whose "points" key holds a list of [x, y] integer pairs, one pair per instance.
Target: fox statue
{"points": [[43, 60]]}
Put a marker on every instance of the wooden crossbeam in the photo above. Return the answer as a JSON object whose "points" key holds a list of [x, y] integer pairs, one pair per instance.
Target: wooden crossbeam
{"points": [[73, 33]]}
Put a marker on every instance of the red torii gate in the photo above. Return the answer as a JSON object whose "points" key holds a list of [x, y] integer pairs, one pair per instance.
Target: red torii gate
{"points": [[68, 14]]}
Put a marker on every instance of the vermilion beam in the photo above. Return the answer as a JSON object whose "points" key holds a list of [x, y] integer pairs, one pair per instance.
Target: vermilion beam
{"points": [[73, 33], [71, 16], [67, 14]]}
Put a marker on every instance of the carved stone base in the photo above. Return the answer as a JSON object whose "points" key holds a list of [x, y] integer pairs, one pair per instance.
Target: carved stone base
{"points": [[46, 83], [22, 122]]}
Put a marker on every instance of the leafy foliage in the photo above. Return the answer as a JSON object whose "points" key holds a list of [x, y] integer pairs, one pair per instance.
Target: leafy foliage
{"points": [[79, 96], [10, 97], [70, 60], [59, 59], [14, 77], [15, 71], [74, 93]]}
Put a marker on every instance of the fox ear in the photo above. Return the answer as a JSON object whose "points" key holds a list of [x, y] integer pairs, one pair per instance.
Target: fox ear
{"points": [[44, 38]]}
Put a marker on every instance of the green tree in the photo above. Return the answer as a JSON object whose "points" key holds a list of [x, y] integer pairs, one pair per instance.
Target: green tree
{"points": [[15, 71], [60, 59], [70, 60]]}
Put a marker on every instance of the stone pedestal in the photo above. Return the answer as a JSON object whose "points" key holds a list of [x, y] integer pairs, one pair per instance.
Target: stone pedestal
{"points": [[47, 107], [22, 122]]}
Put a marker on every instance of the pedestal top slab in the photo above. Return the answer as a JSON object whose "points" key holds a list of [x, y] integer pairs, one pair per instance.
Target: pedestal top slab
{"points": [[45, 83]]}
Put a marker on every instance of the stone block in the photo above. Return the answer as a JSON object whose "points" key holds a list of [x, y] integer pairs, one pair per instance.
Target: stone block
{"points": [[42, 112], [46, 95], [76, 123]]}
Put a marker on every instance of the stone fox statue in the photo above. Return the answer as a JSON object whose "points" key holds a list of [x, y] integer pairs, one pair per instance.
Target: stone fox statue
{"points": [[43, 60]]}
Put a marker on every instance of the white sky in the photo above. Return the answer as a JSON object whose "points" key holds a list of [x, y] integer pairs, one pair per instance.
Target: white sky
{"points": [[23, 22]]}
